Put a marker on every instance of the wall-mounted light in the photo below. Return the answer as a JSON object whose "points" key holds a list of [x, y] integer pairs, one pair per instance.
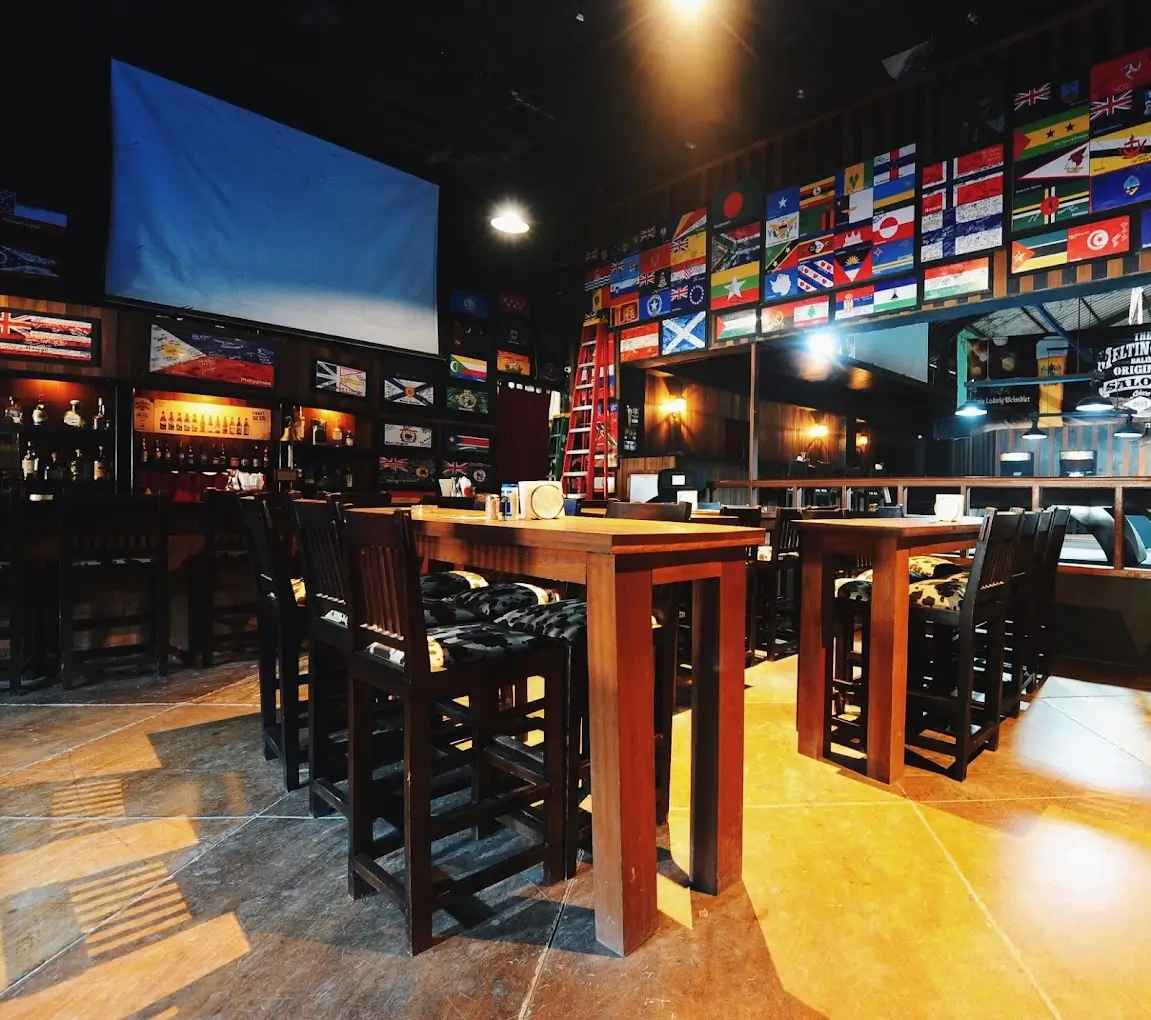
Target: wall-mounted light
{"points": [[674, 408], [819, 430], [862, 441]]}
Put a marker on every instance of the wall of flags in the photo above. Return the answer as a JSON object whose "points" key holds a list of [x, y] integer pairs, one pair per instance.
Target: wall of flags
{"points": [[1069, 183]]}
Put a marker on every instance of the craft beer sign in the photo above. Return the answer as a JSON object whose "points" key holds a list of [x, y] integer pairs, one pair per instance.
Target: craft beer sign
{"points": [[1126, 368]]}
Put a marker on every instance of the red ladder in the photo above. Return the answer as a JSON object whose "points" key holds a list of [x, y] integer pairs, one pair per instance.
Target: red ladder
{"points": [[590, 456]]}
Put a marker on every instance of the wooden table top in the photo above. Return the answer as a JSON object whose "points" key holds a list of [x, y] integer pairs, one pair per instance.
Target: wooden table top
{"points": [[903, 527], [586, 534]]}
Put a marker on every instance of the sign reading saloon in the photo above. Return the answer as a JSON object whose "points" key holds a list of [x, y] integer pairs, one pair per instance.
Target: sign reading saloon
{"points": [[1126, 369]]}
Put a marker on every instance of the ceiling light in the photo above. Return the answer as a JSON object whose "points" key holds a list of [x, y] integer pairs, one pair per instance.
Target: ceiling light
{"points": [[1128, 430], [971, 409], [510, 221], [1035, 433], [823, 344], [1095, 404]]}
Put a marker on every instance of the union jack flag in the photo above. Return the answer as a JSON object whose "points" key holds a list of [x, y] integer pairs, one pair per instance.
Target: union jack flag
{"points": [[1112, 104], [679, 293], [647, 234], [398, 465], [1030, 97], [680, 245], [455, 467], [646, 279]]}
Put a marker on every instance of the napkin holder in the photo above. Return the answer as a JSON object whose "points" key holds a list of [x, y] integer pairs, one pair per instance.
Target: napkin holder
{"points": [[541, 500]]}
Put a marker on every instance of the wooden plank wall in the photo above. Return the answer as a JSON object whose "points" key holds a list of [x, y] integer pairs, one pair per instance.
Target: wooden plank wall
{"points": [[927, 109], [1124, 457]]}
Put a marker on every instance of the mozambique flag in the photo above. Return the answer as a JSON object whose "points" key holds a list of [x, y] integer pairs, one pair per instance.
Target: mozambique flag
{"points": [[736, 286], [1052, 133], [1046, 202]]}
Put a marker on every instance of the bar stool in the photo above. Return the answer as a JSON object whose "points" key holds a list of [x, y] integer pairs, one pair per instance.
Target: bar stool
{"points": [[119, 543], [13, 586], [776, 581], [749, 517], [427, 671], [225, 548], [1018, 630], [283, 627], [955, 650], [319, 525], [1044, 619], [566, 621]]}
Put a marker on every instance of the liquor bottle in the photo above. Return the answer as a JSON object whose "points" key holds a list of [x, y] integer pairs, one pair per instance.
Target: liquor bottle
{"points": [[53, 469], [143, 451], [74, 417], [99, 467], [349, 438], [157, 455], [14, 412], [319, 432], [29, 464], [348, 486], [100, 418], [189, 457], [184, 425], [205, 457], [245, 460], [247, 427], [166, 454], [233, 458], [76, 468], [163, 421], [336, 433], [39, 412], [265, 459]]}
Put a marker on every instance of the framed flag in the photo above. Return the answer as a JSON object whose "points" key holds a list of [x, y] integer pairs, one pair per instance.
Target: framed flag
{"points": [[683, 334], [854, 304], [736, 204], [461, 398], [515, 304], [1102, 239], [817, 207], [782, 224], [1127, 72], [689, 223], [25, 334], [460, 366], [895, 295], [549, 368], [196, 352], [412, 392], [959, 279], [465, 442], [333, 378], [639, 342], [513, 363], [469, 336], [624, 313], [732, 328], [735, 246], [478, 471], [962, 205], [417, 436], [514, 334], [415, 472], [736, 286], [469, 302]]}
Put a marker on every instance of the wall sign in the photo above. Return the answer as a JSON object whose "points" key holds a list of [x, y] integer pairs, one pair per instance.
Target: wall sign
{"points": [[25, 334], [189, 418], [333, 378], [181, 349], [1126, 368]]}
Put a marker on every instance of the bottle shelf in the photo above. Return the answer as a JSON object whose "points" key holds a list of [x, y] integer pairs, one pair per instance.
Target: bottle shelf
{"points": [[26, 431]]}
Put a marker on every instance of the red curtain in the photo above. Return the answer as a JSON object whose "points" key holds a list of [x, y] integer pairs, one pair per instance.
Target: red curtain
{"points": [[521, 435]]}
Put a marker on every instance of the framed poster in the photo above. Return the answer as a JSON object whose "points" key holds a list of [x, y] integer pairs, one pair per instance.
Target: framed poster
{"points": [[410, 392], [33, 238], [408, 435], [513, 363], [25, 334], [333, 378], [194, 352], [460, 398]]}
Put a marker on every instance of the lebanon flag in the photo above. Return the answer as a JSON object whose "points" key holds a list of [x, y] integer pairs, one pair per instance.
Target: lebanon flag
{"points": [[1098, 240], [896, 225]]}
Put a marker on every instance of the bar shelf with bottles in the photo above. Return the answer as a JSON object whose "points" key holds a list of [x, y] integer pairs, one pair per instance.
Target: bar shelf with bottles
{"points": [[64, 432], [185, 443], [325, 450]]}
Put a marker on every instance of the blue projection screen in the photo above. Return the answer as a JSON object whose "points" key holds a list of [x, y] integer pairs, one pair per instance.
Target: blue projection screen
{"points": [[216, 209]]}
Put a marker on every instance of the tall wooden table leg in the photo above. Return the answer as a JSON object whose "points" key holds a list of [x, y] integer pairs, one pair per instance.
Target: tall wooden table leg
{"points": [[717, 729], [813, 648], [622, 695], [887, 664]]}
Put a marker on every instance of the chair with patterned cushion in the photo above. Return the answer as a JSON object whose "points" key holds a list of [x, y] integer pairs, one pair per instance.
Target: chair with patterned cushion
{"points": [[430, 673], [283, 627], [566, 621], [319, 525], [955, 650]]}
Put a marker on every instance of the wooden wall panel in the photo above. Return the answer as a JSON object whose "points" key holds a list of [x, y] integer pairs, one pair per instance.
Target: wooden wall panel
{"points": [[113, 358]]}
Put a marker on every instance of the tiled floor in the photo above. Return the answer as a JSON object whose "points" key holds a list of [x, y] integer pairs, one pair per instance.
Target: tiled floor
{"points": [[150, 867]]}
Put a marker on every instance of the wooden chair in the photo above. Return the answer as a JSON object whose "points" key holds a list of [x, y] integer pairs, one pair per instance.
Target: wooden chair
{"points": [[359, 499], [1019, 628], [1044, 617], [955, 650], [225, 546], [111, 546], [13, 591], [395, 655], [777, 585], [283, 627], [749, 517]]}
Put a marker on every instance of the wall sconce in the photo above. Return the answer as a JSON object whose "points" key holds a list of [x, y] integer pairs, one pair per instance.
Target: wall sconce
{"points": [[674, 408], [819, 430], [862, 441]]}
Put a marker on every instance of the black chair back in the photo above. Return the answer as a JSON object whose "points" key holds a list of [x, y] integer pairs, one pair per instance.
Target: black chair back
{"points": [[269, 564], [743, 517], [106, 529], [381, 578], [223, 529], [817, 513], [672, 513], [1060, 516], [989, 584], [360, 499], [1024, 548], [318, 527], [786, 537]]}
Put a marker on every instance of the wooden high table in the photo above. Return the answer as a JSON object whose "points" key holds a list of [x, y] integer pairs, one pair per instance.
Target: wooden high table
{"points": [[619, 561], [889, 542]]}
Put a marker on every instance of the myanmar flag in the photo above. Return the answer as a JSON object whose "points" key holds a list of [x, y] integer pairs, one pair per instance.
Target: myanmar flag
{"points": [[1052, 133], [737, 286]]}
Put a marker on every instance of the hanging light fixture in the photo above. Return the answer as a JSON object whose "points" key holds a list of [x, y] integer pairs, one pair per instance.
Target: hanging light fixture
{"points": [[1096, 403], [510, 221], [971, 409], [1128, 430], [1034, 433]]}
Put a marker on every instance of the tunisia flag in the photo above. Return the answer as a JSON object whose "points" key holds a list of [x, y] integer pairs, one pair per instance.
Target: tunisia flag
{"points": [[1099, 240]]}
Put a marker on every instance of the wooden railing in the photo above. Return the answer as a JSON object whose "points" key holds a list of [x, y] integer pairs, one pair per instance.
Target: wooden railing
{"points": [[1037, 499]]}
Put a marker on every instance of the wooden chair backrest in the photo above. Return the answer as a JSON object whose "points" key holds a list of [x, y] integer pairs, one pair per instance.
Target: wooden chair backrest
{"points": [[321, 561], [989, 584], [106, 527], [786, 537], [273, 576]]}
